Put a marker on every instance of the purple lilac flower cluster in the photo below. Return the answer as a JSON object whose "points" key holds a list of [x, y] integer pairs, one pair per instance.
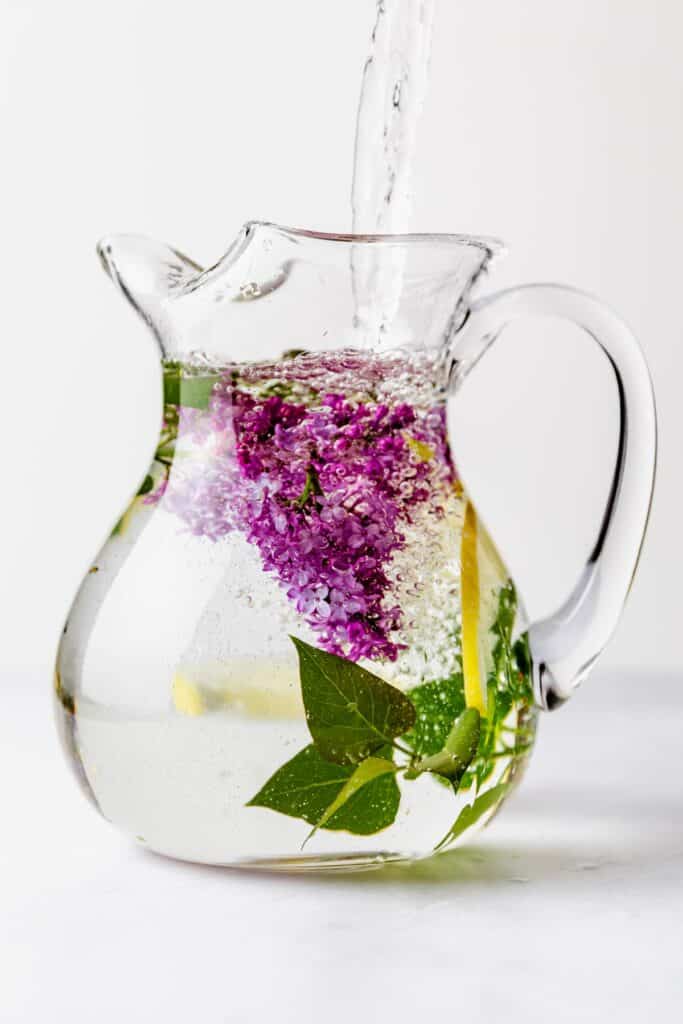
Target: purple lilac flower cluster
{"points": [[323, 488]]}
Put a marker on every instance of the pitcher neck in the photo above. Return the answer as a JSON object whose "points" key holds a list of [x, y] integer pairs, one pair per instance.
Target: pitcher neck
{"points": [[278, 289]]}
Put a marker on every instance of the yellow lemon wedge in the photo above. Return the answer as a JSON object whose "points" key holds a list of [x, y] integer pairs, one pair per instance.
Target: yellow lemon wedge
{"points": [[187, 697], [423, 451], [258, 688], [475, 693]]}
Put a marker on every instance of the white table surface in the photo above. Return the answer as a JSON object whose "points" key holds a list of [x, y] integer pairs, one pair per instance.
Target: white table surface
{"points": [[570, 908]]}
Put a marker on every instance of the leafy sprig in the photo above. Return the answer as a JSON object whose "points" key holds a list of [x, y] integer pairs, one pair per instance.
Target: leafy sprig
{"points": [[346, 778], [366, 733]]}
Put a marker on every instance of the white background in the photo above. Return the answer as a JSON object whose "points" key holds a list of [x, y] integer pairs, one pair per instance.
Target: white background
{"points": [[555, 126]]}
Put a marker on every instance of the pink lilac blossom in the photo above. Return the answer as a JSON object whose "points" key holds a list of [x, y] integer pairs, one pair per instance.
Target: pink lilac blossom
{"points": [[323, 490]]}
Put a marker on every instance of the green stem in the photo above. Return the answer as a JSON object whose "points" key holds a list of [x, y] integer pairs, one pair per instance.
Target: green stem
{"points": [[312, 486], [510, 752]]}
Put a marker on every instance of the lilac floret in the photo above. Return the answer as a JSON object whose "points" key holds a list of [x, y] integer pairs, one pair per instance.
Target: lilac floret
{"points": [[323, 487]]}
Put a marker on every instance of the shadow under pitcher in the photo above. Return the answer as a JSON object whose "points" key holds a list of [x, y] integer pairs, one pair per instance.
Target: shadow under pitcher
{"points": [[299, 647]]}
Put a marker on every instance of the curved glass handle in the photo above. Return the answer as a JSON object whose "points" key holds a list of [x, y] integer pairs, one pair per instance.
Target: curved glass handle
{"points": [[565, 645]]}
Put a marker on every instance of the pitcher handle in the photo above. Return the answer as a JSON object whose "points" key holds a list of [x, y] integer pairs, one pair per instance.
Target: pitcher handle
{"points": [[565, 645]]}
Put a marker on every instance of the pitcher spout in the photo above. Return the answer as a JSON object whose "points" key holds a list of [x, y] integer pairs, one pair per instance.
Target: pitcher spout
{"points": [[150, 274], [177, 297]]}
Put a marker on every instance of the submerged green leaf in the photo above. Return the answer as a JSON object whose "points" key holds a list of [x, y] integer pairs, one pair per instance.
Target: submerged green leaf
{"points": [[304, 787], [437, 705], [364, 774], [312, 788], [146, 485], [464, 736], [193, 392], [508, 686], [350, 712], [459, 749], [471, 813], [370, 809]]}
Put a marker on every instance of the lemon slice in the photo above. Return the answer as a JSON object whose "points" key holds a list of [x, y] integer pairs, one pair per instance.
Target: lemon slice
{"points": [[258, 688], [475, 693], [187, 697]]}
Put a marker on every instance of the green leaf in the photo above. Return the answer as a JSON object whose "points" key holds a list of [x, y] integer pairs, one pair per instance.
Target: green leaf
{"points": [[307, 787], [507, 609], [508, 687], [303, 787], [193, 392], [522, 656], [511, 662], [459, 749], [437, 705], [471, 813], [146, 485], [371, 809], [366, 772], [464, 736], [350, 712]]}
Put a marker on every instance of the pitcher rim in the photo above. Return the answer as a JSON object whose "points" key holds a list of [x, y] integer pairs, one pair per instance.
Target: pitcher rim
{"points": [[488, 244]]}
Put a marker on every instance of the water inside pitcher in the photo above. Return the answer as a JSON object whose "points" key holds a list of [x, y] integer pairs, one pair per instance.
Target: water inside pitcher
{"points": [[302, 533]]}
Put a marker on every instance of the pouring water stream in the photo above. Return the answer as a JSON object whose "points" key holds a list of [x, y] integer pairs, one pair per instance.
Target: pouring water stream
{"points": [[393, 91]]}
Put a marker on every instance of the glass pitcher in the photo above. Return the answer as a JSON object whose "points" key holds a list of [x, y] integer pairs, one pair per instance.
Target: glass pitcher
{"points": [[299, 646]]}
